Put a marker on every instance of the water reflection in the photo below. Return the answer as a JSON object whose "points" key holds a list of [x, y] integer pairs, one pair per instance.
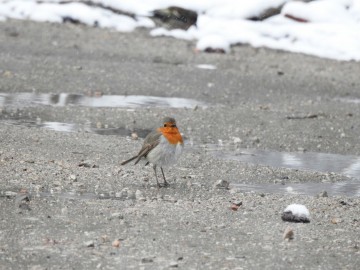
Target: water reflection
{"points": [[320, 162], [20, 100], [347, 165], [71, 127], [348, 100], [349, 188]]}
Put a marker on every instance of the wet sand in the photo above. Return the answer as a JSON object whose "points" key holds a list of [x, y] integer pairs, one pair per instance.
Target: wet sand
{"points": [[65, 198]]}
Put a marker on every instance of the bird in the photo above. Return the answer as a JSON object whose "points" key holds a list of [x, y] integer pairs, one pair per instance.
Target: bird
{"points": [[161, 147], [175, 17]]}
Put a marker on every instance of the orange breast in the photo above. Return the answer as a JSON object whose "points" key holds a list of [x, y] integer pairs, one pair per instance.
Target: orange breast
{"points": [[172, 134]]}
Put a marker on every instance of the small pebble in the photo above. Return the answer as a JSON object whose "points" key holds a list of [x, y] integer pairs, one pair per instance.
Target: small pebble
{"points": [[98, 93], [104, 238], [147, 260], [89, 243], [123, 193], [10, 194], [336, 220], [78, 185], [235, 206], [288, 234], [222, 184], [139, 196], [173, 264], [237, 140], [343, 203], [116, 243], [322, 194], [134, 136], [116, 216], [57, 183], [23, 191]]}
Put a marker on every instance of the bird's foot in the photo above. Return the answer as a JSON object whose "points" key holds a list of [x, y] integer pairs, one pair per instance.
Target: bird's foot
{"points": [[163, 185]]}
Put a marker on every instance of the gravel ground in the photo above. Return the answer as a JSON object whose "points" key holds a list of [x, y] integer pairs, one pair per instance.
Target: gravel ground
{"points": [[66, 203]]}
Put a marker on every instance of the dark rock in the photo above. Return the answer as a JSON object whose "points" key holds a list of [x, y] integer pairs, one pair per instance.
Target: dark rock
{"points": [[147, 260], [175, 17], [290, 217], [90, 243]]}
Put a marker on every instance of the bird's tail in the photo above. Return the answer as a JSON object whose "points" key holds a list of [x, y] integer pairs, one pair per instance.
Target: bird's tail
{"points": [[129, 160]]}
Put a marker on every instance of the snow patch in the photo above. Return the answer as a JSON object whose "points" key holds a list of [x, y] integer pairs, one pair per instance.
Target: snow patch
{"points": [[296, 213], [213, 42], [175, 33], [298, 210], [323, 28]]}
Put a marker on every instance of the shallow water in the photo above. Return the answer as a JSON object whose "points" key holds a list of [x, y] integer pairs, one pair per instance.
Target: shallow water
{"points": [[349, 188], [353, 100], [21, 100], [72, 127], [347, 165]]}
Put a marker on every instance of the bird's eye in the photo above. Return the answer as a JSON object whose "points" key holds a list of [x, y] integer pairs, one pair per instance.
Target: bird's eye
{"points": [[164, 125]]}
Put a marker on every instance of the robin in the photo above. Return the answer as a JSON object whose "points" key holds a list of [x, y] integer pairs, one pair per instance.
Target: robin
{"points": [[161, 147]]}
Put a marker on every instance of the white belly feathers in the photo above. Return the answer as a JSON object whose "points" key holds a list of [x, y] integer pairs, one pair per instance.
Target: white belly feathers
{"points": [[164, 153]]}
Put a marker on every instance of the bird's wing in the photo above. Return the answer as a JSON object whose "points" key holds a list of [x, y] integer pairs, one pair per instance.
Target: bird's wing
{"points": [[151, 141]]}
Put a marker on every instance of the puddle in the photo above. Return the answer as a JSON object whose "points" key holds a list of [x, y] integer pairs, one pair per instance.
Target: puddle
{"points": [[70, 127], [206, 66], [21, 100], [348, 100], [349, 189], [320, 162], [77, 195], [346, 165]]}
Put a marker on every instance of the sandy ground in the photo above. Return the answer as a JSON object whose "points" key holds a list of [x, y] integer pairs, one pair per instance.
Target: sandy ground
{"points": [[65, 199]]}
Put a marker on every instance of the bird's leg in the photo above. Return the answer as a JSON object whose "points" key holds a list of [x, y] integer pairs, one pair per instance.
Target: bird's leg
{"points": [[165, 182], [157, 181]]}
